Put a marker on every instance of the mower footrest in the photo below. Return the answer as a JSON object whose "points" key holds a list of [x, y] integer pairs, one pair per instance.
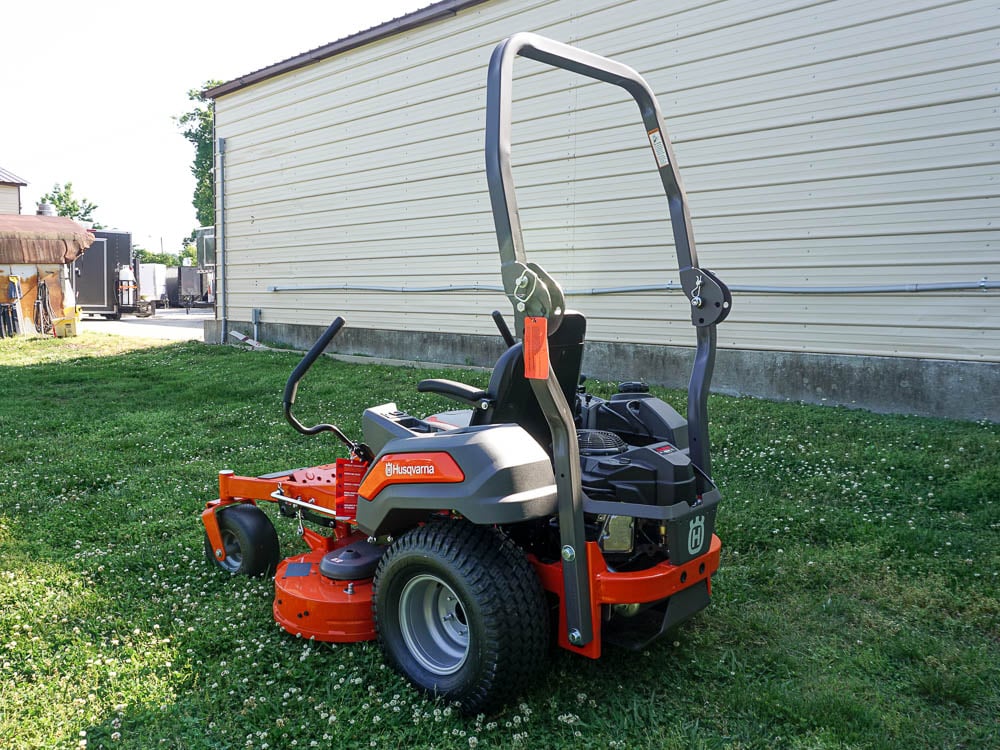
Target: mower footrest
{"points": [[635, 633]]}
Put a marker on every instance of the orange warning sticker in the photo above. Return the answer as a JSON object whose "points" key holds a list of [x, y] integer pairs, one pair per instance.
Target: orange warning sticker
{"points": [[536, 348]]}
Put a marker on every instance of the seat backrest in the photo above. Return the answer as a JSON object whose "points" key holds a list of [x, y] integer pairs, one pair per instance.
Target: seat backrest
{"points": [[513, 399]]}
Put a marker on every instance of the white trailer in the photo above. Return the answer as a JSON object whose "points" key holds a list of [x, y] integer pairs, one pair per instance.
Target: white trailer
{"points": [[153, 283]]}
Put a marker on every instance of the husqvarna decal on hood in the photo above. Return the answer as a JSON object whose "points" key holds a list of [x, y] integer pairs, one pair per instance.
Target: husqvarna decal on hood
{"points": [[409, 468]]}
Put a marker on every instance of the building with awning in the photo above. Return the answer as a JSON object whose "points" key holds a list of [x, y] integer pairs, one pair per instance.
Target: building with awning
{"points": [[35, 257]]}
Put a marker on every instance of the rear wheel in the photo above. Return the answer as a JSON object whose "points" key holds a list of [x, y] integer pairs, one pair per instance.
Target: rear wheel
{"points": [[461, 613], [249, 539]]}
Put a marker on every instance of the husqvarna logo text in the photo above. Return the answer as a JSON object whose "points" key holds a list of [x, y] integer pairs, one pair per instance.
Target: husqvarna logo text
{"points": [[696, 534], [408, 470]]}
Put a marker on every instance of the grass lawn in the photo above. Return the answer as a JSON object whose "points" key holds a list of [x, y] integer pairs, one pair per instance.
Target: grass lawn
{"points": [[858, 603]]}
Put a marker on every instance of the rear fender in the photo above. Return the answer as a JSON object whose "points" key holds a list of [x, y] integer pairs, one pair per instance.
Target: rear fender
{"points": [[493, 474]]}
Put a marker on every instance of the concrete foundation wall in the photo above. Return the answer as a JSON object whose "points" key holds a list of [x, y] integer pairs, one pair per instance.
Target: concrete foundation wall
{"points": [[935, 388]]}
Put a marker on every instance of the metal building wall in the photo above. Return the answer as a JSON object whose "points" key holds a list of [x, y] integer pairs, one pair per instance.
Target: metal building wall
{"points": [[10, 199], [843, 143]]}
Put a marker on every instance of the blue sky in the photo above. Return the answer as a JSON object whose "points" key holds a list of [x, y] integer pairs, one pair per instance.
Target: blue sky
{"points": [[89, 91]]}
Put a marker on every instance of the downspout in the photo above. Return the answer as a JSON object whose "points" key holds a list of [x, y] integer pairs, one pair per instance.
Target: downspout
{"points": [[220, 241]]}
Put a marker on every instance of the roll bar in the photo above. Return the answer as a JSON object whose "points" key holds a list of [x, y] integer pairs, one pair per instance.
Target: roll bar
{"points": [[533, 293], [530, 289]]}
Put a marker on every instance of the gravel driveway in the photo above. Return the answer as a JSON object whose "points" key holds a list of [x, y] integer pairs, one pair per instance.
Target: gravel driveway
{"points": [[175, 324]]}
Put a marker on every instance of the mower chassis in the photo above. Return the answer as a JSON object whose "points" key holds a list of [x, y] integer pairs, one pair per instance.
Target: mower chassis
{"points": [[309, 605]]}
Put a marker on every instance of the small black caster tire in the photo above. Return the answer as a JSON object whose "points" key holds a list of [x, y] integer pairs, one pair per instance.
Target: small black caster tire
{"points": [[250, 541]]}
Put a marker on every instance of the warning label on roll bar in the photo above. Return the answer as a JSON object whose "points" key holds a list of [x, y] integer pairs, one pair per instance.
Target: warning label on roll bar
{"points": [[659, 148], [536, 348]]}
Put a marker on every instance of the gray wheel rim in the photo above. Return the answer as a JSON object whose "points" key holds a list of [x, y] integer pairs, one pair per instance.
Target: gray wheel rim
{"points": [[234, 553], [433, 624]]}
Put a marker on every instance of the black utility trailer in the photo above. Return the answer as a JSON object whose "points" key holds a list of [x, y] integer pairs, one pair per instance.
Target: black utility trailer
{"points": [[194, 287], [104, 278]]}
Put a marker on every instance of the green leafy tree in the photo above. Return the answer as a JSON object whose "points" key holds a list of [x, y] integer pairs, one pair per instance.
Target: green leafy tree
{"points": [[145, 256], [67, 204], [197, 127]]}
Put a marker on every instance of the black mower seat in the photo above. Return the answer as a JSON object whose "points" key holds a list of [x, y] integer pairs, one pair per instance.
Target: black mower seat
{"points": [[509, 398]]}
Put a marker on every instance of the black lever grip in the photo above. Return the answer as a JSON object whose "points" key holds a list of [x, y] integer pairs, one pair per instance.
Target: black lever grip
{"points": [[311, 356], [505, 334], [359, 450]]}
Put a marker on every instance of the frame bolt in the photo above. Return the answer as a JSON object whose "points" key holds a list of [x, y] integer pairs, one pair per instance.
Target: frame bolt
{"points": [[218, 553], [576, 637], [568, 553]]}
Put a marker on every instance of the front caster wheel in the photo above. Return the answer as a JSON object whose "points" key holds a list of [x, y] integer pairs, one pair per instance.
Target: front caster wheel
{"points": [[461, 614], [250, 541]]}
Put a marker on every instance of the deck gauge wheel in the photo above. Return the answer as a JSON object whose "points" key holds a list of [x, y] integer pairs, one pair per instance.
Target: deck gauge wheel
{"points": [[250, 541]]}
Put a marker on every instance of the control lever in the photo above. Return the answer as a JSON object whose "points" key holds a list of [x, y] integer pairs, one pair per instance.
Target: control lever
{"points": [[505, 334]]}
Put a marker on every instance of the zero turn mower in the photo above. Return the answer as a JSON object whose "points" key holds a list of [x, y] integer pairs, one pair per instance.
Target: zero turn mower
{"points": [[453, 541]]}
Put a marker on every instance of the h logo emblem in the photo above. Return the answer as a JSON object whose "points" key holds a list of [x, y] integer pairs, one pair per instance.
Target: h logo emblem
{"points": [[696, 535]]}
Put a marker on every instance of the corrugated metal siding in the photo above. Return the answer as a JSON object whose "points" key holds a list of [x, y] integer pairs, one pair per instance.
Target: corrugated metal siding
{"points": [[10, 178], [821, 143]]}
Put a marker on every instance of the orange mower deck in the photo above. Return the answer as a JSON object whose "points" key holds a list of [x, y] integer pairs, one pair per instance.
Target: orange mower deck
{"points": [[310, 605]]}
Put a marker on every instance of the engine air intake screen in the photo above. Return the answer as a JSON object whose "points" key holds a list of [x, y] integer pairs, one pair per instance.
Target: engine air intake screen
{"points": [[599, 443]]}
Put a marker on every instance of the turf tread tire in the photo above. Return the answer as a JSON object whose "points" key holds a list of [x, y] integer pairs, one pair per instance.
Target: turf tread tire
{"points": [[503, 602]]}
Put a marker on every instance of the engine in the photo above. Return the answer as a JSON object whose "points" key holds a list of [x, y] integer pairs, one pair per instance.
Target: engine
{"points": [[654, 474], [641, 489]]}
